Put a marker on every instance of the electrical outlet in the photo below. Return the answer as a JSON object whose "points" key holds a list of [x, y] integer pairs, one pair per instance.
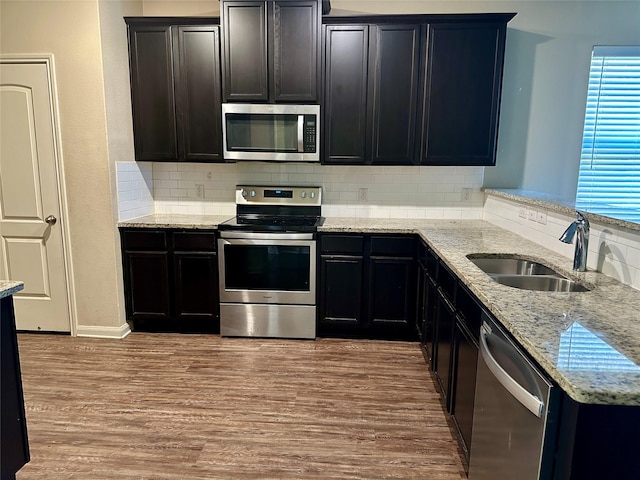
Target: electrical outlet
{"points": [[532, 214], [466, 194], [522, 213], [200, 191], [363, 194], [542, 217]]}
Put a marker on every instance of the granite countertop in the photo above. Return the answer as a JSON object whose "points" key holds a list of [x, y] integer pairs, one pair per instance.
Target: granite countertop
{"points": [[555, 328], [159, 220], [8, 288]]}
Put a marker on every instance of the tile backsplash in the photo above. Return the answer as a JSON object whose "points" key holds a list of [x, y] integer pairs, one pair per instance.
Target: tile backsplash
{"points": [[135, 189], [367, 191], [356, 191], [614, 251]]}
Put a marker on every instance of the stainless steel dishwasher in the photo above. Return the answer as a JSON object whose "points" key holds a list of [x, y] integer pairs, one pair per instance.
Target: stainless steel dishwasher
{"points": [[510, 411]]}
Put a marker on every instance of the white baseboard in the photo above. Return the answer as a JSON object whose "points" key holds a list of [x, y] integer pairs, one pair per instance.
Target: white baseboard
{"points": [[103, 332]]}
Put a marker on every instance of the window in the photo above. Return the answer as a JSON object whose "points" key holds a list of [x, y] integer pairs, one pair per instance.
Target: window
{"points": [[609, 177]]}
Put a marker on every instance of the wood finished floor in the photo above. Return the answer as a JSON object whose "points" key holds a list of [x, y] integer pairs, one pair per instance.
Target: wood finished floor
{"points": [[171, 406]]}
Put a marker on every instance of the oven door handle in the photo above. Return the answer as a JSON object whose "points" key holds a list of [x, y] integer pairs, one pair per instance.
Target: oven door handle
{"points": [[266, 236]]}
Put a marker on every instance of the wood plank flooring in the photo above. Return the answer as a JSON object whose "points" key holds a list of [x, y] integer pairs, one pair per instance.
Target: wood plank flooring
{"points": [[171, 406]]}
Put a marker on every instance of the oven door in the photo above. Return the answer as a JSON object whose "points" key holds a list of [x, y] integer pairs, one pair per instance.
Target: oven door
{"points": [[267, 268]]}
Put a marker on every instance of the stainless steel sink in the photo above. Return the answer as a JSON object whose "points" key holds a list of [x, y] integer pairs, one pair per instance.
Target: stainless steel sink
{"points": [[511, 266], [525, 274], [543, 283]]}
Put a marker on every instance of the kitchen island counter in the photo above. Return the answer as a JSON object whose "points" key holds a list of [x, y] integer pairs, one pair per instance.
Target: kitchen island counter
{"points": [[8, 287]]}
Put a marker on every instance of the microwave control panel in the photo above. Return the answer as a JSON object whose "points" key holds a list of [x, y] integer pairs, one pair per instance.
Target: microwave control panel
{"points": [[309, 134]]}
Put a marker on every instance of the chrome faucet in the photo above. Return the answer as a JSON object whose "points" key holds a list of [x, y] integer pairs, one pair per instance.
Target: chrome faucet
{"points": [[581, 227]]}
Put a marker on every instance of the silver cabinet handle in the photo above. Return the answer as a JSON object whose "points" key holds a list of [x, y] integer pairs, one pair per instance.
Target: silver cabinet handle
{"points": [[51, 220], [529, 401]]}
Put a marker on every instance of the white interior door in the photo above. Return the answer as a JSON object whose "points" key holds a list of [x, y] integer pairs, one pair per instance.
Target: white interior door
{"points": [[31, 243]]}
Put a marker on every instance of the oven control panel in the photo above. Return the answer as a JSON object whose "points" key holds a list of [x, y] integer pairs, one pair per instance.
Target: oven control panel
{"points": [[273, 195]]}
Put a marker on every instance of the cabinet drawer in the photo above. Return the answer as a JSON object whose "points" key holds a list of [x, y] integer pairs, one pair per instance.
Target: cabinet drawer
{"points": [[393, 246], [342, 244], [447, 281], [194, 241], [144, 239]]}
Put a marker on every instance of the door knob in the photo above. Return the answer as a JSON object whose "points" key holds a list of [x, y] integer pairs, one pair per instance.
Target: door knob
{"points": [[51, 220]]}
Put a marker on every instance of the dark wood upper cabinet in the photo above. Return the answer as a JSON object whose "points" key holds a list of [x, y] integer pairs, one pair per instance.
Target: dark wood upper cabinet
{"points": [[370, 97], [175, 90], [393, 93], [421, 89], [152, 93], [198, 93], [271, 50], [244, 51], [462, 93], [345, 93]]}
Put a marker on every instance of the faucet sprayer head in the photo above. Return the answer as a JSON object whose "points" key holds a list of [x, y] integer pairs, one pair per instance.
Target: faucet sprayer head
{"points": [[569, 233]]}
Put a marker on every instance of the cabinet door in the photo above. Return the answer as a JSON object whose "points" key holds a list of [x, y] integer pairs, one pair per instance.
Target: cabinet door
{"points": [[147, 285], [393, 91], [341, 279], [244, 51], [295, 50], [198, 93], [345, 94], [430, 292], [464, 384], [152, 94], [443, 343], [392, 297], [196, 290], [462, 95]]}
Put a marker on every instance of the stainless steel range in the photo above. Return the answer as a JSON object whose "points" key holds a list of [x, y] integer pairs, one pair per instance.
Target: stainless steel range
{"points": [[267, 263]]}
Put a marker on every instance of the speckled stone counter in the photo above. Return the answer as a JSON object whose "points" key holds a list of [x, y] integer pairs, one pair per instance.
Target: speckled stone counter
{"points": [[8, 287], [175, 221], [607, 318]]}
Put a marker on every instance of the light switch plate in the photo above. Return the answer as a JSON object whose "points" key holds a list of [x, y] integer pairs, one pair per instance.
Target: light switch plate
{"points": [[532, 214]]}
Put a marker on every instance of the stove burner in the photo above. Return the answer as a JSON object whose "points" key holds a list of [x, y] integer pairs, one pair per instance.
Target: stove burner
{"points": [[295, 209], [272, 223], [278, 220]]}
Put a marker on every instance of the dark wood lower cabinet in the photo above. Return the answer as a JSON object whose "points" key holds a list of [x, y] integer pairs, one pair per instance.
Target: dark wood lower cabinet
{"points": [[465, 353], [392, 297], [14, 444], [367, 286], [148, 285], [340, 310], [196, 290], [444, 324], [171, 280]]}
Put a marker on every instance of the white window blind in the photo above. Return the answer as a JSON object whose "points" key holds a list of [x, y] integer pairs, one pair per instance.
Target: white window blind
{"points": [[609, 177]]}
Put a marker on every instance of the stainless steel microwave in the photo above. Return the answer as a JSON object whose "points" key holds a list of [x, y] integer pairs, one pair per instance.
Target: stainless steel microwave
{"points": [[268, 132]]}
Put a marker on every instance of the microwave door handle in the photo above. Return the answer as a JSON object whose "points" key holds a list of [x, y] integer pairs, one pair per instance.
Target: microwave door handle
{"points": [[300, 133]]}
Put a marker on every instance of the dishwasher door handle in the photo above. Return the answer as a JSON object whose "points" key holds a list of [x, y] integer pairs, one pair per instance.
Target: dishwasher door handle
{"points": [[529, 401]]}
